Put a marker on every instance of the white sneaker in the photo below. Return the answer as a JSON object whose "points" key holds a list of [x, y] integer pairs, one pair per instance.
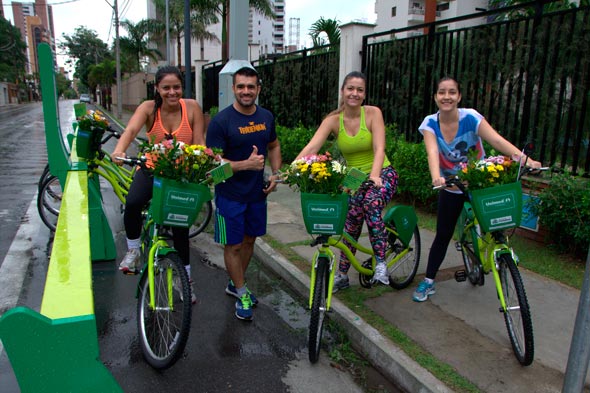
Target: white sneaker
{"points": [[130, 263], [381, 274], [178, 288]]}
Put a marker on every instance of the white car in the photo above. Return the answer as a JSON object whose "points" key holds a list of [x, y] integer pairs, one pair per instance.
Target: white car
{"points": [[85, 98]]}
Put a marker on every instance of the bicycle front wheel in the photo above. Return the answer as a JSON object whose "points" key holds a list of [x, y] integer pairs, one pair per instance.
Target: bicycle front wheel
{"points": [[473, 267], [49, 201], [202, 220], [164, 329], [517, 314], [318, 309], [402, 273]]}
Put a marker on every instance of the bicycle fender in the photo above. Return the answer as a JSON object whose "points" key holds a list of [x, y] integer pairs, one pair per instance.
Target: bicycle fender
{"points": [[404, 220]]}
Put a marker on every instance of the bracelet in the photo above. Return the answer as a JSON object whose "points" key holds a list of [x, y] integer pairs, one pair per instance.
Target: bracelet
{"points": [[275, 173]]}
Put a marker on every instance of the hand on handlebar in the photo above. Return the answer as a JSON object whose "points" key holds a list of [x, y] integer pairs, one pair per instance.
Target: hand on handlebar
{"points": [[118, 156]]}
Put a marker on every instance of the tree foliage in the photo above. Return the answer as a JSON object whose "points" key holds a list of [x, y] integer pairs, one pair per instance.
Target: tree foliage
{"points": [[202, 15], [84, 49], [325, 29], [12, 52], [137, 44]]}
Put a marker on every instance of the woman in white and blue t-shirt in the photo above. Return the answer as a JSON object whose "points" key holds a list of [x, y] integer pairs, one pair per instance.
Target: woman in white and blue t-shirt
{"points": [[449, 135]]}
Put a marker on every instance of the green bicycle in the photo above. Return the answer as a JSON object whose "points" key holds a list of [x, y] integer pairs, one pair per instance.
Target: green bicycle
{"points": [[50, 190], [324, 216], [163, 317], [485, 246]]}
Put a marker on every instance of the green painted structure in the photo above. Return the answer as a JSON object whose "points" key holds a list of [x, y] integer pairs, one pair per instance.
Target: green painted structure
{"points": [[56, 350]]}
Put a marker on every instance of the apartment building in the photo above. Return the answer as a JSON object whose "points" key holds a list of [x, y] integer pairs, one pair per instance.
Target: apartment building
{"points": [[35, 22], [398, 14]]}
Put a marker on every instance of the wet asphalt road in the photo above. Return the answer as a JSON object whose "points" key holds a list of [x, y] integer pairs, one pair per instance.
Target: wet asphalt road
{"points": [[223, 354]]}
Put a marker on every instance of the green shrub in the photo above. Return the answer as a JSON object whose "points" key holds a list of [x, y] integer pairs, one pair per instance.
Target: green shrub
{"points": [[293, 140], [411, 163], [564, 209]]}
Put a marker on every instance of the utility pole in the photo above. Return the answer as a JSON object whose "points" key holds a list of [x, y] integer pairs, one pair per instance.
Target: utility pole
{"points": [[187, 50], [168, 33], [118, 61]]}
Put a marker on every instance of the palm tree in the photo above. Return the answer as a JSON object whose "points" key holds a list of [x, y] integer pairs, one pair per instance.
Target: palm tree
{"points": [[137, 44], [329, 28], [203, 13]]}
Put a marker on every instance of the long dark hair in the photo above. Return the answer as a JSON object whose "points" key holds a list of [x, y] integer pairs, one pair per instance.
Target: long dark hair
{"points": [[162, 72]]}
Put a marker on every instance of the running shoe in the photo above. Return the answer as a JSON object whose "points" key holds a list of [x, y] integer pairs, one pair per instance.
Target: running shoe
{"points": [[244, 308], [130, 263], [424, 290], [381, 274], [231, 290], [340, 282]]}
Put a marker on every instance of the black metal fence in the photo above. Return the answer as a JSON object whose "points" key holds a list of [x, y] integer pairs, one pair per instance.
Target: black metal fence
{"points": [[530, 77], [299, 88]]}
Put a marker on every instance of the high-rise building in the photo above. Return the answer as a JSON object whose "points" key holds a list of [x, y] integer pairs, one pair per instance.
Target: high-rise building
{"points": [[35, 22], [400, 14]]}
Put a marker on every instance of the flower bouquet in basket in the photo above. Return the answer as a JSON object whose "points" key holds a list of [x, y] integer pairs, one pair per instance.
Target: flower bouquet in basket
{"points": [[180, 174], [496, 195], [489, 172], [91, 128], [320, 179]]}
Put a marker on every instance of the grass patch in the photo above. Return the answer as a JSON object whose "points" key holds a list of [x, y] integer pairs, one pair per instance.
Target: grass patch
{"points": [[355, 299]]}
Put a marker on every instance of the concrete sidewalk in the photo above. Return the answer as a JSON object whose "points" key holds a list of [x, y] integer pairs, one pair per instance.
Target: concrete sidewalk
{"points": [[460, 325]]}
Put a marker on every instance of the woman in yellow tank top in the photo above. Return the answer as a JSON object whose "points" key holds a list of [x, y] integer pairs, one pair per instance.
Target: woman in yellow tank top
{"points": [[168, 115], [360, 134]]}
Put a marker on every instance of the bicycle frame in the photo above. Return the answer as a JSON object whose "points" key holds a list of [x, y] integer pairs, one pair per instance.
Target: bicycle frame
{"points": [[118, 177], [488, 248], [324, 250]]}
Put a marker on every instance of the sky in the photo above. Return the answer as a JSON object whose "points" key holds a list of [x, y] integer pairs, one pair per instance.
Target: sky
{"points": [[97, 15]]}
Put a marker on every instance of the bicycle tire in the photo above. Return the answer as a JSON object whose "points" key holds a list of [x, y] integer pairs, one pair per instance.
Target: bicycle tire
{"points": [[473, 267], [318, 309], [402, 273], [517, 314], [203, 219], [49, 200], [163, 332], [44, 175]]}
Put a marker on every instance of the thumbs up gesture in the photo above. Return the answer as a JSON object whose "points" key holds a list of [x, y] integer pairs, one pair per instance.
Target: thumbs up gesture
{"points": [[256, 161]]}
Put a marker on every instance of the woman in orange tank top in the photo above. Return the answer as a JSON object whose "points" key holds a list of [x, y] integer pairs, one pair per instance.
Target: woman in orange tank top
{"points": [[168, 115]]}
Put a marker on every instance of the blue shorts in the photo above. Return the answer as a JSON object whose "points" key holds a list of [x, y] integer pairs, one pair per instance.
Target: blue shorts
{"points": [[234, 219]]}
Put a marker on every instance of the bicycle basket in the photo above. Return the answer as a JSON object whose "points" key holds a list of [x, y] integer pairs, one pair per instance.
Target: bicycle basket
{"points": [[177, 204], [324, 213], [88, 142], [498, 207]]}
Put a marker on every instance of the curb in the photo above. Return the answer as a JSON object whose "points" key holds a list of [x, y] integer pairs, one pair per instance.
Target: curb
{"points": [[391, 361]]}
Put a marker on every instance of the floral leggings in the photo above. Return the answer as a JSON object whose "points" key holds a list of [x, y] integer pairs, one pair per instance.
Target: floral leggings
{"points": [[366, 205]]}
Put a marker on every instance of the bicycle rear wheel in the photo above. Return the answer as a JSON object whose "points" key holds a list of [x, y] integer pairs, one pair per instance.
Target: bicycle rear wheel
{"points": [[318, 309], [202, 220], [517, 314], [402, 273], [49, 200], [164, 330]]}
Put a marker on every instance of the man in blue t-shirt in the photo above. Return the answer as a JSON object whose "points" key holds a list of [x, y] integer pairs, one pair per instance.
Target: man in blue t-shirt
{"points": [[246, 134]]}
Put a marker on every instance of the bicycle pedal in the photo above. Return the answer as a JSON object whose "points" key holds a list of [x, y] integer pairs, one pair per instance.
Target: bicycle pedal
{"points": [[457, 246], [460, 276]]}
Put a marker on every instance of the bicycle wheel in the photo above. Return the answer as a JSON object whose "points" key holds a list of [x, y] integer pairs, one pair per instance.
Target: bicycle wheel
{"points": [[318, 309], [402, 273], [202, 220], [517, 314], [473, 267], [163, 331], [49, 201], [43, 176]]}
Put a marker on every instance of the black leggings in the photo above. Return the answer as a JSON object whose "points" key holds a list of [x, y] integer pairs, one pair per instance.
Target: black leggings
{"points": [[140, 193], [449, 209]]}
